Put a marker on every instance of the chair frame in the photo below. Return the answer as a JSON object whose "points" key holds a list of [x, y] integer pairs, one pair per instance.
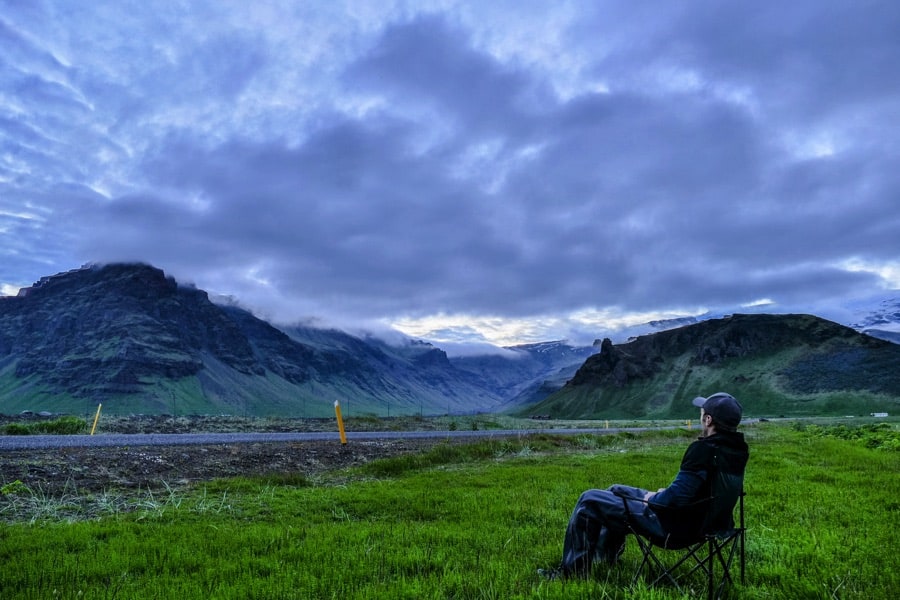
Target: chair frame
{"points": [[720, 547]]}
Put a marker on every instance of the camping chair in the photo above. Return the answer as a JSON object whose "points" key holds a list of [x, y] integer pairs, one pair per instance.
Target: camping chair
{"points": [[714, 544]]}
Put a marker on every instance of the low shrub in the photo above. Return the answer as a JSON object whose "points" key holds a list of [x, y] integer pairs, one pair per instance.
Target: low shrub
{"points": [[879, 436], [60, 426], [16, 429]]}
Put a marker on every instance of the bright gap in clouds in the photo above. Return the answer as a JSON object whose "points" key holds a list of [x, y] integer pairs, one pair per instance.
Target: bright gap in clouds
{"points": [[888, 271], [578, 328], [758, 303]]}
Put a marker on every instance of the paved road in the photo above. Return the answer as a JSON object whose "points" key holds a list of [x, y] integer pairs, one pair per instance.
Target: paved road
{"points": [[10, 442]]}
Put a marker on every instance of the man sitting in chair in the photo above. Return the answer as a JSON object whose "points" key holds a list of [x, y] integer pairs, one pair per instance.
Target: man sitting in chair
{"points": [[597, 527]]}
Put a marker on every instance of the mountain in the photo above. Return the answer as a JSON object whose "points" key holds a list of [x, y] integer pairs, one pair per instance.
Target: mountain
{"points": [[774, 364], [131, 338], [882, 321]]}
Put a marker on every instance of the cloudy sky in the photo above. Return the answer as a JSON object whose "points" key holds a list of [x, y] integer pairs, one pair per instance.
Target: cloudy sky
{"points": [[459, 170]]}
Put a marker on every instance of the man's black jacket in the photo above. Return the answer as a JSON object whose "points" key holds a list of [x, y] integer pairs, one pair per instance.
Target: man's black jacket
{"points": [[720, 460]]}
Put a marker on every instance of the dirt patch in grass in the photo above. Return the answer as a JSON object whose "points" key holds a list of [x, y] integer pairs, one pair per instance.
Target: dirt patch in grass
{"points": [[91, 470], [155, 467]]}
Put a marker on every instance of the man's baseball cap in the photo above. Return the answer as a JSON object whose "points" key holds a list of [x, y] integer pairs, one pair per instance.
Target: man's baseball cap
{"points": [[724, 409]]}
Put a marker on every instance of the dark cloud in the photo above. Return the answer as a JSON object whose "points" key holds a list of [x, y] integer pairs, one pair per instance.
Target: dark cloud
{"points": [[669, 158], [430, 63]]}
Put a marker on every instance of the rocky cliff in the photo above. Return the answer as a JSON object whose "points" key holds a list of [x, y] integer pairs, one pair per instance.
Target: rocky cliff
{"points": [[130, 335]]}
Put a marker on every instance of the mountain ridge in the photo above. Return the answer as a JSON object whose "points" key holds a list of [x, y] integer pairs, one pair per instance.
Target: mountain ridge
{"points": [[777, 363], [133, 338]]}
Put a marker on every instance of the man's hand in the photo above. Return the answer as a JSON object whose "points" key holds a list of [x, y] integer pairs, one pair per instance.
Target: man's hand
{"points": [[649, 495]]}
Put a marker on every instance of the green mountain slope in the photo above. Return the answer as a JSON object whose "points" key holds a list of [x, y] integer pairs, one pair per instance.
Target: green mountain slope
{"points": [[129, 337], [775, 364]]}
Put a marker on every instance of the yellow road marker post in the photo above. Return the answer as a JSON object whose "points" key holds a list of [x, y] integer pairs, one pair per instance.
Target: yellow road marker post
{"points": [[340, 420], [96, 418]]}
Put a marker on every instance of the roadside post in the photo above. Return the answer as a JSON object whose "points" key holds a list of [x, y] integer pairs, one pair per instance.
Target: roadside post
{"points": [[340, 421], [96, 418]]}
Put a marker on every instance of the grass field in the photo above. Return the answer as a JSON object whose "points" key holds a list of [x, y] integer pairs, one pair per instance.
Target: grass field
{"points": [[471, 521]]}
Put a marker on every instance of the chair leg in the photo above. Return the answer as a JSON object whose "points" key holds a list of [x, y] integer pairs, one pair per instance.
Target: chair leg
{"points": [[692, 560], [680, 570], [730, 546], [645, 559], [650, 558], [743, 530]]}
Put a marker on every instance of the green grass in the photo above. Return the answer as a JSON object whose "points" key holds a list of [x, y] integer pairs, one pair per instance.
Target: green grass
{"points": [[470, 521], [67, 425]]}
